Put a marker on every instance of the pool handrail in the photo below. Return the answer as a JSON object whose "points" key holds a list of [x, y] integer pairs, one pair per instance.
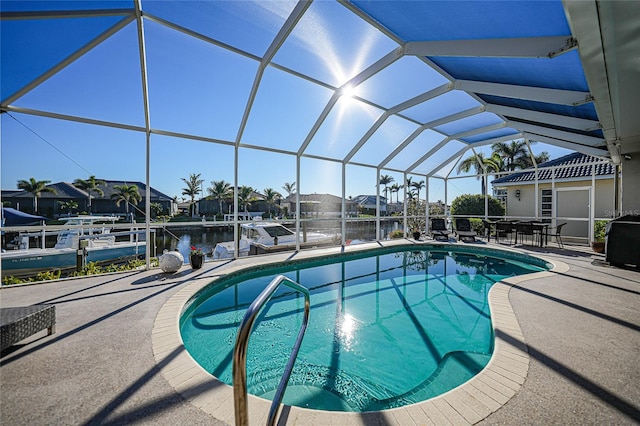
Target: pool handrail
{"points": [[242, 342]]}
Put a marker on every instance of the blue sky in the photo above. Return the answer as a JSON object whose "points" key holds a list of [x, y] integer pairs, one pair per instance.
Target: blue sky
{"points": [[201, 89]]}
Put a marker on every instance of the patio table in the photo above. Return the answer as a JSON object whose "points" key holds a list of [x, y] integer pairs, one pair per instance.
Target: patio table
{"points": [[541, 228]]}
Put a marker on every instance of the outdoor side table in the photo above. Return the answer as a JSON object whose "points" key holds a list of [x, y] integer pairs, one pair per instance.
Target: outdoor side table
{"points": [[18, 323]]}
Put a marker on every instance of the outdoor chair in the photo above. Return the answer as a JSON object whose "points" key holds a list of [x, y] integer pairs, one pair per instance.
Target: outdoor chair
{"points": [[18, 323], [487, 229], [524, 229], [503, 229], [555, 232], [439, 231], [464, 231]]}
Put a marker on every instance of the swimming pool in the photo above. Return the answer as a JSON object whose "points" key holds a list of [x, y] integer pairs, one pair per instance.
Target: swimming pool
{"points": [[388, 327]]}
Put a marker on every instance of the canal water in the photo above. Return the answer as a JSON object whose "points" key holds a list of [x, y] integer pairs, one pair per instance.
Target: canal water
{"points": [[206, 237]]}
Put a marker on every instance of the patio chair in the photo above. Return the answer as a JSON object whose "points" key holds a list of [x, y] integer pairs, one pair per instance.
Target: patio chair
{"points": [[487, 229], [503, 229], [18, 323], [555, 232], [439, 231], [523, 229], [464, 231]]}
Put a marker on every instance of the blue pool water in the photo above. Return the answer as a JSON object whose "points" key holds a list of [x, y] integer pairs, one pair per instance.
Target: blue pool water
{"points": [[387, 328]]}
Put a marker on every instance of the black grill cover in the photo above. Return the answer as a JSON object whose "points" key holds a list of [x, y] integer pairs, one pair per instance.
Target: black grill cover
{"points": [[623, 241]]}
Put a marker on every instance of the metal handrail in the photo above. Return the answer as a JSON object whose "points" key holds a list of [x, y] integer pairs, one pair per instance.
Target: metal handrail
{"points": [[240, 352]]}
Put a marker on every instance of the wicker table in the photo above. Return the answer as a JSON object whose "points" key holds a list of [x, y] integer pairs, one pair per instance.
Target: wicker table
{"points": [[19, 323]]}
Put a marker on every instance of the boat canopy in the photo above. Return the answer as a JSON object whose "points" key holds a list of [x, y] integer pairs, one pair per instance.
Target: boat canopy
{"points": [[13, 217]]}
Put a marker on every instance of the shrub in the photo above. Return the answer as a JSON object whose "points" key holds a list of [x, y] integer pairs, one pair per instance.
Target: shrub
{"points": [[91, 269], [48, 275], [8, 280], [469, 204], [477, 225], [398, 233], [599, 227]]}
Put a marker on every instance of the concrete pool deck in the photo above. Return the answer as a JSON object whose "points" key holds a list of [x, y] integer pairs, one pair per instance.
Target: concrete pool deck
{"points": [[114, 359]]}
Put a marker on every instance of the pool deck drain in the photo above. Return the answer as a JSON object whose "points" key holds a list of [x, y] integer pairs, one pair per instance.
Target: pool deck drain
{"points": [[468, 403]]}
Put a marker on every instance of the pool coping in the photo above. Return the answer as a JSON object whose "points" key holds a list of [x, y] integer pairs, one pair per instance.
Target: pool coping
{"points": [[468, 403]]}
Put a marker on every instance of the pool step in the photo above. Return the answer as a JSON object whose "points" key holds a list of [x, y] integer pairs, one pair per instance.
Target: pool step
{"points": [[341, 391]]}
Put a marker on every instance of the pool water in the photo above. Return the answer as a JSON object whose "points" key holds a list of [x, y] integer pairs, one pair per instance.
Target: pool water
{"points": [[386, 329]]}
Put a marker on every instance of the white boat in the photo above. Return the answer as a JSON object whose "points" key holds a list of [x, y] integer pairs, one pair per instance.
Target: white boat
{"points": [[268, 235], [100, 245]]}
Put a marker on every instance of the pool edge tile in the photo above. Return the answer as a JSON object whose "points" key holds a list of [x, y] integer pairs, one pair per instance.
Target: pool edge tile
{"points": [[490, 389]]}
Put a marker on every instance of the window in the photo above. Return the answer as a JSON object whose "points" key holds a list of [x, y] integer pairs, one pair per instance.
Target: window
{"points": [[546, 203], [501, 194], [277, 231]]}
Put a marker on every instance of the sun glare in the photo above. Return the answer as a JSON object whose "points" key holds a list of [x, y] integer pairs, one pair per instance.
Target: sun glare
{"points": [[348, 91]]}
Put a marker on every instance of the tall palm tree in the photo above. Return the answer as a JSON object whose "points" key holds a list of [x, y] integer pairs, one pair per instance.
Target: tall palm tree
{"points": [[418, 186], [90, 185], [395, 188], [35, 187], [271, 196], [220, 190], [386, 180], [127, 193], [408, 185], [526, 162], [290, 188], [476, 162], [513, 153], [192, 189], [246, 197]]}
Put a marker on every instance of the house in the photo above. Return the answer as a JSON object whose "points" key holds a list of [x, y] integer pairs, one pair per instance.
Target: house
{"points": [[576, 189], [51, 204], [367, 204], [209, 206], [318, 205]]}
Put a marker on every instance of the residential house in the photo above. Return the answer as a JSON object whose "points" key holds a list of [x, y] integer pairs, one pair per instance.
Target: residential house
{"points": [[210, 206], [50, 204], [576, 189], [367, 204], [318, 205]]}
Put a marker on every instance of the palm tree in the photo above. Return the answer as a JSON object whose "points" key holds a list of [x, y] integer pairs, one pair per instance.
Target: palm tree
{"points": [[408, 185], [271, 196], [127, 193], [395, 188], [418, 186], [68, 205], [477, 161], [36, 187], [513, 153], [245, 197], [386, 180], [192, 189], [495, 163], [290, 188], [90, 185], [156, 209], [220, 190], [526, 162]]}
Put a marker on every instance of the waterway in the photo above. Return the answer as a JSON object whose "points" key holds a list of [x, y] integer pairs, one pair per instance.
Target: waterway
{"points": [[206, 237]]}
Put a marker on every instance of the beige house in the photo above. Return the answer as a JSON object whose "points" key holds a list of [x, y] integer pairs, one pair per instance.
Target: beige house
{"points": [[577, 189], [318, 206]]}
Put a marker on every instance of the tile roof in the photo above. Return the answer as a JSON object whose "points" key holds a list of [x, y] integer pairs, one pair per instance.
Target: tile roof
{"points": [[576, 166], [368, 199], [313, 198], [62, 190], [67, 190]]}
